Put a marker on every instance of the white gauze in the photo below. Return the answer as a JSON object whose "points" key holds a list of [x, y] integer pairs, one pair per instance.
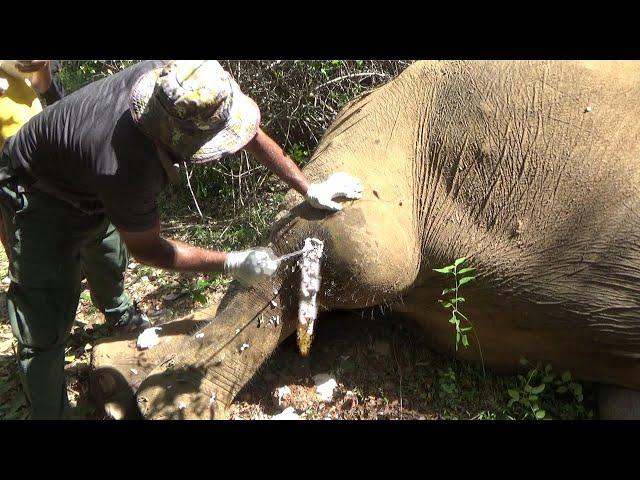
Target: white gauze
{"points": [[309, 287]]}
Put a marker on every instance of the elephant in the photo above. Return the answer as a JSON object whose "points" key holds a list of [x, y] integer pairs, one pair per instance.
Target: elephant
{"points": [[530, 169]]}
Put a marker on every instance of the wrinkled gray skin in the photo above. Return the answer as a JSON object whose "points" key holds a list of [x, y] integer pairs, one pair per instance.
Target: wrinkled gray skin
{"points": [[531, 169]]}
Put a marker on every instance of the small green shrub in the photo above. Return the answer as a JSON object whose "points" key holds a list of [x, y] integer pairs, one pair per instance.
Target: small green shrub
{"points": [[542, 394], [453, 303]]}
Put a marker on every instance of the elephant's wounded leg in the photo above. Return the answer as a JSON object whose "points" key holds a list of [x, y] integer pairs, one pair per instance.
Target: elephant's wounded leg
{"points": [[617, 403]]}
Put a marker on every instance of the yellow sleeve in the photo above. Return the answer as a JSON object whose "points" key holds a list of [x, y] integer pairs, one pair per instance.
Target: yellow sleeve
{"points": [[17, 105]]}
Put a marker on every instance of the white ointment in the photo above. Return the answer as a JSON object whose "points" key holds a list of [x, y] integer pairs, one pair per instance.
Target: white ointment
{"points": [[149, 338], [288, 413], [309, 286], [281, 392], [325, 386]]}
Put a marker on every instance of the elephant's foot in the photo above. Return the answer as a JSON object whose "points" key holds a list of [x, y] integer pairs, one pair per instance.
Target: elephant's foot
{"points": [[162, 397], [118, 367], [617, 403]]}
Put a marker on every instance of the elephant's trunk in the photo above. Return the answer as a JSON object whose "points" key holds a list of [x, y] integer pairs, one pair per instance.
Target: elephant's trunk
{"points": [[202, 380]]}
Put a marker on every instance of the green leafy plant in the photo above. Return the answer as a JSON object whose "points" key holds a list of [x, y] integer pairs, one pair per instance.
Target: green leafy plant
{"points": [[448, 385], [527, 393], [542, 390], [197, 291], [299, 152], [461, 276]]}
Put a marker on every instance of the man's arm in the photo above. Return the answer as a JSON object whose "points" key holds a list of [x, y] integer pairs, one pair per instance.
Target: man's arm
{"points": [[152, 249], [271, 155], [319, 195]]}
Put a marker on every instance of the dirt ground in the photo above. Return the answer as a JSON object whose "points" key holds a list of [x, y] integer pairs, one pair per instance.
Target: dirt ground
{"points": [[382, 368]]}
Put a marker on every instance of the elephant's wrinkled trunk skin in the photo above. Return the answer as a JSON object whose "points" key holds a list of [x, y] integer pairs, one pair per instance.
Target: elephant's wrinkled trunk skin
{"points": [[201, 381]]}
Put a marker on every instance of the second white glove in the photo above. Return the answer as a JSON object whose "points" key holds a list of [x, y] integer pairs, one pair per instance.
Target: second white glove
{"points": [[321, 195], [250, 266]]}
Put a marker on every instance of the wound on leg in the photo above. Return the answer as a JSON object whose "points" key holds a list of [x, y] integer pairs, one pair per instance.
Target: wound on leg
{"points": [[309, 287]]}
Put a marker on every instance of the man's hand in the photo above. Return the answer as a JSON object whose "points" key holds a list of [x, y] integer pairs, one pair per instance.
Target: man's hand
{"points": [[321, 195], [249, 266], [31, 66], [40, 71]]}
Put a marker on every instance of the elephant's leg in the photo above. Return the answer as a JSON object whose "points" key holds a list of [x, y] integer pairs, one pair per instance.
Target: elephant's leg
{"points": [[118, 367], [618, 403]]}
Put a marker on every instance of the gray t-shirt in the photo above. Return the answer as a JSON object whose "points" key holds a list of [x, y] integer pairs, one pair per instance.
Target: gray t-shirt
{"points": [[86, 150]]}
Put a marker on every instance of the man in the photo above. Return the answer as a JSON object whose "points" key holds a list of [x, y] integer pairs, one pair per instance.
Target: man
{"points": [[91, 167], [24, 86]]}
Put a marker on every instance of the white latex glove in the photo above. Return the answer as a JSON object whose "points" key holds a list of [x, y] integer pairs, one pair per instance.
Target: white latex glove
{"points": [[321, 195], [4, 86], [250, 266]]}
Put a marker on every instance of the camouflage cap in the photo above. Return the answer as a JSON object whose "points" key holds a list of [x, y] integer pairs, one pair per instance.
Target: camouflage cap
{"points": [[195, 108]]}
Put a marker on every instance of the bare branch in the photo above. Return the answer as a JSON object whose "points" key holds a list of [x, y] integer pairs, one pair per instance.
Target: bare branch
{"points": [[186, 172], [353, 75]]}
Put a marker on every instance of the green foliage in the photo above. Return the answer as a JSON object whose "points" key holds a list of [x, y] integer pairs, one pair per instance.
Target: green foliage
{"points": [[542, 392], [299, 153], [453, 303], [197, 290], [75, 74], [448, 387]]}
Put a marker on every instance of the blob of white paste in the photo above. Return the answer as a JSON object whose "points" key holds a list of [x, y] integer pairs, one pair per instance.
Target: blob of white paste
{"points": [[149, 338], [309, 287]]}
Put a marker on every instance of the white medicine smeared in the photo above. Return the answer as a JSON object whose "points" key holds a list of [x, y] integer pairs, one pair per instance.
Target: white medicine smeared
{"points": [[148, 338], [309, 287], [325, 386], [282, 392], [288, 413]]}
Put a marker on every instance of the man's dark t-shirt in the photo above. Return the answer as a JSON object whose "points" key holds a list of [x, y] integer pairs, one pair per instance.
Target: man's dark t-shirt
{"points": [[86, 149]]}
